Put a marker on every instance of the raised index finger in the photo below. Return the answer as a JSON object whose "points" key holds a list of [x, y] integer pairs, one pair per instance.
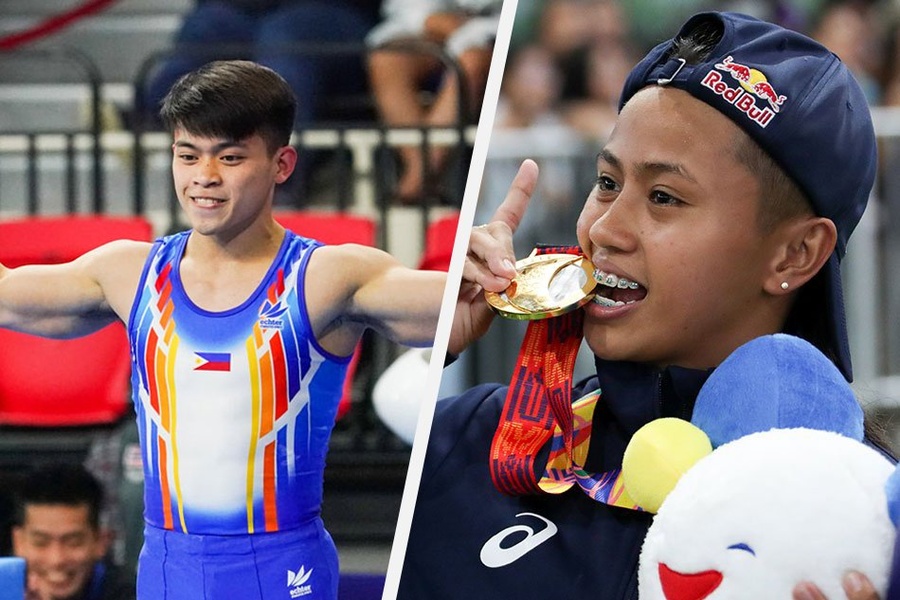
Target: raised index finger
{"points": [[513, 206]]}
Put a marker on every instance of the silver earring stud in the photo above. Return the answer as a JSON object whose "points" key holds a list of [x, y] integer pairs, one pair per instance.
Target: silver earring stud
{"points": [[784, 285]]}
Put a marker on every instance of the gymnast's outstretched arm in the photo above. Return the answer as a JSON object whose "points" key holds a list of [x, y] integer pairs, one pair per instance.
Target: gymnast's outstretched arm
{"points": [[75, 298]]}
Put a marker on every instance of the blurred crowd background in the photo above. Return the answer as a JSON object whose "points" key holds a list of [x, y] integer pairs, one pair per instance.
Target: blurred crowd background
{"points": [[568, 58], [567, 62]]}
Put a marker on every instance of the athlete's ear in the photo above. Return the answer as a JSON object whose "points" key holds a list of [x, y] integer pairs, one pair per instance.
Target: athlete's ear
{"points": [[285, 161], [803, 246]]}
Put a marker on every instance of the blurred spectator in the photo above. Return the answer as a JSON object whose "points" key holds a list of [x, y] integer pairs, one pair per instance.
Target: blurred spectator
{"points": [[605, 67], [57, 531], [527, 124], [588, 40], [653, 20], [116, 462], [528, 121], [889, 188], [266, 27], [792, 14], [890, 72], [130, 492], [466, 30], [572, 25], [847, 28], [531, 90]]}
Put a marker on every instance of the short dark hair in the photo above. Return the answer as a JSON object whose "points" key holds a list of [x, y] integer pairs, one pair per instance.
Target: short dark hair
{"points": [[64, 484], [232, 99], [780, 196]]}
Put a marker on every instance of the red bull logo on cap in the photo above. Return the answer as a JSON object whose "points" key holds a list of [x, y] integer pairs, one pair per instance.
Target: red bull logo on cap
{"points": [[752, 85]]}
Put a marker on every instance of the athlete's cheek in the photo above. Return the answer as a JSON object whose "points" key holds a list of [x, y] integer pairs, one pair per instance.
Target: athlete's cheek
{"points": [[583, 228]]}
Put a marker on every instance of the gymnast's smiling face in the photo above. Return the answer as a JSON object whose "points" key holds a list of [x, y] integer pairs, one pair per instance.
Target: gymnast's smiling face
{"points": [[226, 186]]}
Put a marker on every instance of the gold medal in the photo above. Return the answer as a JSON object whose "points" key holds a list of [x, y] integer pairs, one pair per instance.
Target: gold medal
{"points": [[547, 285]]}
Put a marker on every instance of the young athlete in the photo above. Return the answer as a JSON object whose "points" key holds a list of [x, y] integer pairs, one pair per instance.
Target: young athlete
{"points": [[741, 160], [240, 335]]}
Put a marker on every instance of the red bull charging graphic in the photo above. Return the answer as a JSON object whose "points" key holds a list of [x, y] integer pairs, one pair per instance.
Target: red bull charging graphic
{"points": [[752, 85]]}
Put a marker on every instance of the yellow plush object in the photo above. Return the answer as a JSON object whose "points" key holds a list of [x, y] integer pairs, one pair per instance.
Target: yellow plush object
{"points": [[657, 456]]}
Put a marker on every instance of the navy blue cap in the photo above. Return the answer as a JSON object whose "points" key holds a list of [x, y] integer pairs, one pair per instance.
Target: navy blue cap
{"points": [[801, 104]]}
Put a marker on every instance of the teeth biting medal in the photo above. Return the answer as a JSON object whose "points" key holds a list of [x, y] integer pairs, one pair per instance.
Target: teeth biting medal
{"points": [[612, 281], [547, 285]]}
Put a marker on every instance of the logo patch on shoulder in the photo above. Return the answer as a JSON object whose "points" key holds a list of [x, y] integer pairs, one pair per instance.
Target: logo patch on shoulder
{"points": [[270, 315], [753, 87]]}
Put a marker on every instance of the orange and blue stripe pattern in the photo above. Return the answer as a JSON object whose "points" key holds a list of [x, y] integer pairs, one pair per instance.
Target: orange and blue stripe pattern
{"points": [[235, 408]]}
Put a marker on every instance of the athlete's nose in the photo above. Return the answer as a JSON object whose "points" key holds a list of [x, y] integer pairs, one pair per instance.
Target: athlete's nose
{"points": [[206, 173], [614, 228]]}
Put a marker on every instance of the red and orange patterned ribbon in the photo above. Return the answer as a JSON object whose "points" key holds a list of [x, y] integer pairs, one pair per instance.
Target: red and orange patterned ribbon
{"points": [[539, 410]]}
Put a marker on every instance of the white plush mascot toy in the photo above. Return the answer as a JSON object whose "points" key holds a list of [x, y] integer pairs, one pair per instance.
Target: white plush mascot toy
{"points": [[783, 490]]}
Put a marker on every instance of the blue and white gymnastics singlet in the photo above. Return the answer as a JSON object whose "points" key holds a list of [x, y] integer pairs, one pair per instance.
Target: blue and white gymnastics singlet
{"points": [[235, 410]]}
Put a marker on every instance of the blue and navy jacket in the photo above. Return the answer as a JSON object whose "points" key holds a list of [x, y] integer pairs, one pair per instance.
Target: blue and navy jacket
{"points": [[566, 546]]}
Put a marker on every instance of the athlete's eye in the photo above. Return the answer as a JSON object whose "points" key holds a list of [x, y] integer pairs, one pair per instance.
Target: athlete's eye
{"points": [[664, 199], [606, 185]]}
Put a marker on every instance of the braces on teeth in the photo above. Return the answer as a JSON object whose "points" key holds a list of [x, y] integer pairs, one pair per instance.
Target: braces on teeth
{"points": [[611, 280], [608, 302]]}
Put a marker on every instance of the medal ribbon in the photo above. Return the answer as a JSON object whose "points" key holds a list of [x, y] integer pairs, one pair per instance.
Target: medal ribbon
{"points": [[565, 470], [539, 409]]}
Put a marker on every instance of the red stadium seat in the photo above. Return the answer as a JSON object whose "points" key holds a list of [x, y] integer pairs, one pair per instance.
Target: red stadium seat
{"points": [[439, 238], [334, 228], [60, 383]]}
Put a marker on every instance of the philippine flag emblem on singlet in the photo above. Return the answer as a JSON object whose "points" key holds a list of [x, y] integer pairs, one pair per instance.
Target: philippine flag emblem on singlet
{"points": [[212, 361]]}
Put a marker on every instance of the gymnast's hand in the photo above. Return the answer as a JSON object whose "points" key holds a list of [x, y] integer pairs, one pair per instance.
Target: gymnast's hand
{"points": [[490, 261]]}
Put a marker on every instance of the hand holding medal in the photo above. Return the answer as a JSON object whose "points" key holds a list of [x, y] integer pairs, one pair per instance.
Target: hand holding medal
{"points": [[552, 282], [546, 285], [490, 262]]}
